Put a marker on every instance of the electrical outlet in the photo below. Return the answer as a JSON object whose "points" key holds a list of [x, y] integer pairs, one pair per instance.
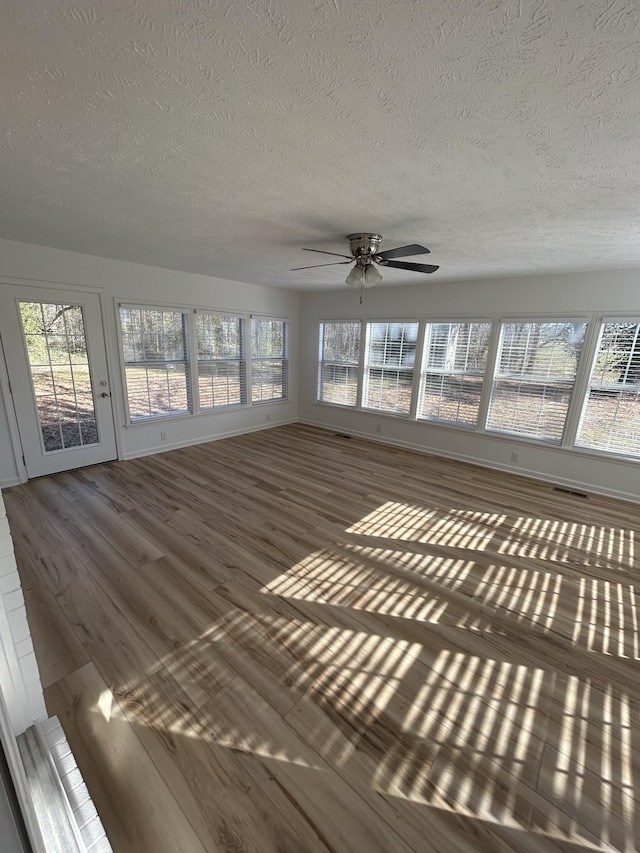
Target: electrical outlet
{"points": [[515, 457], [163, 436], [268, 416], [378, 428]]}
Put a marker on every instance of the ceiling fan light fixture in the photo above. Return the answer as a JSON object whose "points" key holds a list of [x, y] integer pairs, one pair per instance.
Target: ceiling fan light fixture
{"points": [[355, 277], [363, 275], [364, 248], [371, 276]]}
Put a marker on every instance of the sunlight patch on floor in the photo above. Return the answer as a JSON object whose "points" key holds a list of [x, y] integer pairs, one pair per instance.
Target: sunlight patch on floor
{"points": [[454, 528]]}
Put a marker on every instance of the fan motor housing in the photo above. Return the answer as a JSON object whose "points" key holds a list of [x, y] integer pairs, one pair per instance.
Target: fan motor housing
{"points": [[364, 245]]}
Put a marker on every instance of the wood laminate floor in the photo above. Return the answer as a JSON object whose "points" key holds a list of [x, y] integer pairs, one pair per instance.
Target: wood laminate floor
{"points": [[293, 641]]}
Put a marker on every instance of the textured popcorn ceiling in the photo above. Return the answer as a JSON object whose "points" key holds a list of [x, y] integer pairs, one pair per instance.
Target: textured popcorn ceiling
{"points": [[220, 137]]}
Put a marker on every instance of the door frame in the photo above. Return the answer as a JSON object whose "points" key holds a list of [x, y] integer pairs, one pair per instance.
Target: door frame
{"points": [[5, 385]]}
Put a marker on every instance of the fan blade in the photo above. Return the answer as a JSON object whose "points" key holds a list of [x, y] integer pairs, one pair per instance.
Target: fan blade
{"points": [[313, 266], [405, 265], [404, 252], [322, 252]]}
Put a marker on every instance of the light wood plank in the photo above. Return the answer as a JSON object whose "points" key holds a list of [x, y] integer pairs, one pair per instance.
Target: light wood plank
{"points": [[318, 643], [129, 792]]}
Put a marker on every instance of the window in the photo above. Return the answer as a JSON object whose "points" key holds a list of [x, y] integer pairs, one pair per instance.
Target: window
{"points": [[611, 415], [56, 344], [534, 377], [221, 361], [389, 360], [453, 365], [154, 342], [269, 360], [339, 357]]}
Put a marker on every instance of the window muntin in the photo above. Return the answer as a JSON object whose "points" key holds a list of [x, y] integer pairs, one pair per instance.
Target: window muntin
{"points": [[221, 361], [154, 342], [611, 414], [453, 367], [534, 378], [61, 382], [389, 363], [339, 357], [269, 360]]}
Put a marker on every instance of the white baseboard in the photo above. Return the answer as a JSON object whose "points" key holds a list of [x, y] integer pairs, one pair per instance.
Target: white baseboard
{"points": [[8, 482], [518, 470], [176, 445]]}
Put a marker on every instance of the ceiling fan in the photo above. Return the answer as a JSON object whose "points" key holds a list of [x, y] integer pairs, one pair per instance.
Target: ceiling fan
{"points": [[364, 251]]}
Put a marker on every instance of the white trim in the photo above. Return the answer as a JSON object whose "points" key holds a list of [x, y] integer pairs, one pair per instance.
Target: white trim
{"points": [[112, 371], [19, 778], [123, 367], [363, 377], [12, 421], [527, 440], [580, 392], [191, 351], [156, 306], [484, 463], [275, 317], [619, 318], [418, 367], [46, 284], [151, 451], [219, 312], [10, 481]]}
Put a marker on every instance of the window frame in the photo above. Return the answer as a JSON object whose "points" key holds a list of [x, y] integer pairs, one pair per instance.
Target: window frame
{"points": [[190, 312], [449, 424], [320, 362], [284, 359], [365, 367], [241, 360], [598, 323], [492, 366], [176, 309]]}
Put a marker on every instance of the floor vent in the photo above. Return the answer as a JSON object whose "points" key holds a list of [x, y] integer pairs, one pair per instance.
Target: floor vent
{"points": [[571, 492], [341, 435]]}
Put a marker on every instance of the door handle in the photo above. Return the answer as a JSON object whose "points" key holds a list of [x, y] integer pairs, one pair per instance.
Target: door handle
{"points": [[105, 394]]}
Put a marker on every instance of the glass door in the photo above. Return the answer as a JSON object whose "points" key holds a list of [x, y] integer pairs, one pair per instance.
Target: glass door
{"points": [[57, 368]]}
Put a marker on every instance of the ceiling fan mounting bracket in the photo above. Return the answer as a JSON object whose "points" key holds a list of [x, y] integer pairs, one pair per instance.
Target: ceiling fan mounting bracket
{"points": [[364, 246]]}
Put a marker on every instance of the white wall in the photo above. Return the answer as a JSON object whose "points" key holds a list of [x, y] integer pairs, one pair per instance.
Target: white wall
{"points": [[19, 677], [8, 469], [117, 280], [569, 295]]}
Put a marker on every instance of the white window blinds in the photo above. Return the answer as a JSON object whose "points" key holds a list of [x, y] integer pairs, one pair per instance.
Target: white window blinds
{"points": [[221, 361], [453, 365], [389, 362], [611, 414], [339, 355], [156, 364], [269, 360], [534, 378]]}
